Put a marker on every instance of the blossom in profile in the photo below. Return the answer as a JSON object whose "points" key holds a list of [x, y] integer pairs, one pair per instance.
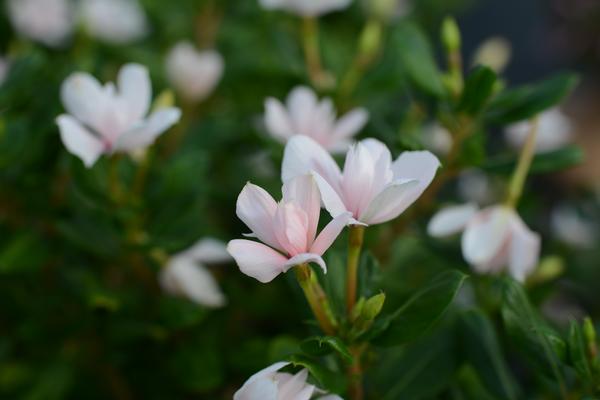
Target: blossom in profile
{"points": [[493, 239], [46, 21], [287, 230], [371, 187], [554, 131], [111, 118], [306, 8], [304, 114], [114, 21], [186, 275], [194, 73], [270, 384]]}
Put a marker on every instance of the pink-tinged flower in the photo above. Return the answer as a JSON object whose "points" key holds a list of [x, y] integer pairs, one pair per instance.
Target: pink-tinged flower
{"points": [[288, 229], [194, 74], [305, 115], [269, 384], [185, 274], [108, 119], [554, 131], [493, 239], [306, 8], [47, 21], [371, 187], [114, 21]]}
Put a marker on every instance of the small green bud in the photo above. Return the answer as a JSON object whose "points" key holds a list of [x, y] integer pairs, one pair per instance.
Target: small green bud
{"points": [[370, 39], [589, 332], [164, 100], [451, 35], [358, 309], [550, 268], [373, 307]]}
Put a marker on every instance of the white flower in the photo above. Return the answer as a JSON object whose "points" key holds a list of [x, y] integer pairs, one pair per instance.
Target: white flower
{"points": [[185, 274], [437, 139], [306, 8], [554, 131], [569, 227], [107, 119], [114, 21], [4, 68], [495, 53], [493, 239], [305, 115], [47, 21], [195, 74], [269, 384], [474, 186], [388, 9]]}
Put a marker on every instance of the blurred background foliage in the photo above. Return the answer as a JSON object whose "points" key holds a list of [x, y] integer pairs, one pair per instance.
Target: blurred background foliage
{"points": [[81, 312]]}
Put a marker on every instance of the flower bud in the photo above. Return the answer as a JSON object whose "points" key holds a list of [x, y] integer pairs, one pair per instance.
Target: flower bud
{"points": [[373, 307], [589, 332], [451, 35], [370, 39]]}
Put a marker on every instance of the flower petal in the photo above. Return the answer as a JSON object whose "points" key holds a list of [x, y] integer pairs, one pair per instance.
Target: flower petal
{"points": [[451, 220], [295, 386], [209, 250], [330, 233], [277, 120], [358, 179], [85, 98], [330, 198], [291, 226], [256, 208], [306, 258], [302, 103], [486, 235], [524, 250], [79, 141], [145, 134], [350, 124], [419, 165], [261, 385], [135, 88], [257, 260], [390, 202], [303, 191]]}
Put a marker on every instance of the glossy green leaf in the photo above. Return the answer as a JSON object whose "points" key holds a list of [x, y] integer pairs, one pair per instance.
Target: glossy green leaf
{"points": [[324, 345], [479, 87]]}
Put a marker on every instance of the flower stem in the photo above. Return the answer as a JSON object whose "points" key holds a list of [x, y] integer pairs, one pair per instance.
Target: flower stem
{"points": [[355, 390], [355, 243], [515, 189], [312, 53], [316, 297]]}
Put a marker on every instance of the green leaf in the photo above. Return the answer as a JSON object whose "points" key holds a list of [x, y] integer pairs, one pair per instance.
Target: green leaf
{"points": [[479, 87], [483, 352], [577, 352], [324, 345], [420, 312], [553, 161], [417, 59], [527, 101], [328, 380]]}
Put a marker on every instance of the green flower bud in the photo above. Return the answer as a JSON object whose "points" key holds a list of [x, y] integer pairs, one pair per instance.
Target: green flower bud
{"points": [[451, 35]]}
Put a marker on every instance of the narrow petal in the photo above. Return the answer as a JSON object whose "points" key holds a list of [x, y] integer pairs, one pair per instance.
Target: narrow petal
{"points": [[486, 235], [183, 277], [145, 134], [292, 386], [291, 225], [389, 203], [524, 250], [257, 260], [302, 103], [256, 208], [135, 89], [261, 385], [304, 191], [330, 397], [79, 141], [358, 179], [330, 233], [84, 98], [419, 165], [383, 174], [306, 258], [350, 124], [332, 201], [451, 220], [209, 250], [277, 120]]}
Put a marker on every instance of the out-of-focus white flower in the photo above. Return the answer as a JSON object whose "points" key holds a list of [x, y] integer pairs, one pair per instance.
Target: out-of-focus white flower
{"points": [[305, 115], [388, 9], [185, 274], [495, 53], [4, 67], [107, 119], [269, 384], [474, 186], [47, 21], [493, 239], [288, 229], [372, 187], [194, 74], [554, 131], [306, 8], [114, 21], [569, 227], [437, 139]]}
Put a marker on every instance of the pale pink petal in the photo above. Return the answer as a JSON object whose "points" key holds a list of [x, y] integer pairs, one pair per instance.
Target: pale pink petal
{"points": [[291, 225], [330, 233], [485, 236], [330, 397], [451, 220], [302, 103], [418, 165], [524, 250], [135, 88], [257, 260], [304, 191], [306, 258], [383, 174], [146, 133], [85, 98], [389, 203], [79, 141], [209, 250], [332, 201], [350, 124], [277, 120], [256, 208], [295, 386], [262, 385], [358, 179]]}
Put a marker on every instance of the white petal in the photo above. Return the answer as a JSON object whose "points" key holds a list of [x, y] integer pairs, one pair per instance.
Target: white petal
{"points": [[135, 89], [302, 104], [306, 258], [146, 133], [257, 260], [419, 165], [181, 276], [277, 120], [330, 233], [303, 191], [350, 124], [295, 386], [332, 201], [524, 250], [79, 141], [390, 202], [209, 250], [85, 99], [486, 235], [358, 179], [451, 220], [261, 386], [256, 208], [330, 397]]}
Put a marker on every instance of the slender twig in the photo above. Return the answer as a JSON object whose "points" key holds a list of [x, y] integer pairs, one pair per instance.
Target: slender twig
{"points": [[317, 299], [355, 243], [520, 175]]}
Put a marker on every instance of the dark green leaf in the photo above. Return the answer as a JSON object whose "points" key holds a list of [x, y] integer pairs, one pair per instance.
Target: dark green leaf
{"points": [[328, 380], [577, 352], [544, 163], [479, 87], [323, 345]]}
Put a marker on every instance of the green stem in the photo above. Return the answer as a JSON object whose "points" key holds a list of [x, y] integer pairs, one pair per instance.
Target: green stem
{"points": [[520, 175], [317, 299], [355, 389], [355, 243], [312, 53]]}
